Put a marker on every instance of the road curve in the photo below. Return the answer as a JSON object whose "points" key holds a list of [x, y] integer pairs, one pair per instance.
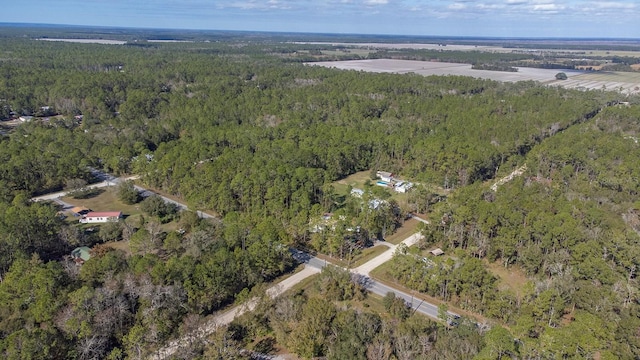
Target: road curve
{"points": [[312, 265]]}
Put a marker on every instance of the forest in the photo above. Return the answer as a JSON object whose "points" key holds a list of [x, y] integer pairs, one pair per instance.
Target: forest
{"points": [[236, 128]]}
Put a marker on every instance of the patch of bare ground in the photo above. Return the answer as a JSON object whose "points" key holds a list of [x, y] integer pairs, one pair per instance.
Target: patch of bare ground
{"points": [[354, 179], [624, 82], [119, 245], [511, 278]]}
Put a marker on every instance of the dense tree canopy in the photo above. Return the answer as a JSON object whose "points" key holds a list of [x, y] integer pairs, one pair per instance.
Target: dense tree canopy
{"points": [[239, 129]]}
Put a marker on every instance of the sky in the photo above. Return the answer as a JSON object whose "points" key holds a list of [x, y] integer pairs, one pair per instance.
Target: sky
{"points": [[494, 18]]}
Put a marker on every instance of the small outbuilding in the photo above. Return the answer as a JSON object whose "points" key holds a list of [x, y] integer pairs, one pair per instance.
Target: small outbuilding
{"points": [[81, 254], [79, 210], [385, 176], [357, 192], [437, 252]]}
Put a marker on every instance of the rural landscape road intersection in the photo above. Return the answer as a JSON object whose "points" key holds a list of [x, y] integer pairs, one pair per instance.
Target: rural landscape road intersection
{"points": [[312, 265]]}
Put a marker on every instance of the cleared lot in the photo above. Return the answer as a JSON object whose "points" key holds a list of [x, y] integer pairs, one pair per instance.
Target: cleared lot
{"points": [[625, 82]]}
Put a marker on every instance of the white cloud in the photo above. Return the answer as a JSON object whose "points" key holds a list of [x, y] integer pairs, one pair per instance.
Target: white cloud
{"points": [[483, 6], [612, 5], [457, 6], [548, 7], [376, 2]]}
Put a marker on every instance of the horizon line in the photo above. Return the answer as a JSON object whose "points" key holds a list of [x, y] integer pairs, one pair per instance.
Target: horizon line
{"points": [[461, 37]]}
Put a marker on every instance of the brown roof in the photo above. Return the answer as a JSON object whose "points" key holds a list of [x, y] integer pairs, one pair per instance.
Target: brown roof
{"points": [[79, 209], [105, 214]]}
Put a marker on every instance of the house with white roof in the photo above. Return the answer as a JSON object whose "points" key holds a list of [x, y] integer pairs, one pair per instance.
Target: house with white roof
{"points": [[101, 217]]}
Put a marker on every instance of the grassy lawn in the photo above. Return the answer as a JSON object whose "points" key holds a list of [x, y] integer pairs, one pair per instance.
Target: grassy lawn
{"points": [[381, 273], [119, 245], [511, 279], [368, 254], [107, 200], [407, 229], [364, 256], [356, 180]]}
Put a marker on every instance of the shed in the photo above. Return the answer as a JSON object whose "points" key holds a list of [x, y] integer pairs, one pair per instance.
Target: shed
{"points": [[385, 176], [79, 210], [81, 254], [437, 252], [357, 192]]}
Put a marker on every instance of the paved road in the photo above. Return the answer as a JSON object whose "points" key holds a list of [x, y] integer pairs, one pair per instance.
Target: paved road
{"points": [[418, 305], [312, 264], [225, 318], [420, 219], [365, 268], [110, 180]]}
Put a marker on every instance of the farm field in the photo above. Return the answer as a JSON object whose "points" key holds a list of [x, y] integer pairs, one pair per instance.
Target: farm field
{"points": [[626, 82], [442, 68], [611, 80], [481, 48], [87, 41]]}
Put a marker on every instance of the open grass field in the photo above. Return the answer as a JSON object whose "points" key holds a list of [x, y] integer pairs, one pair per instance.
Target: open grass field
{"points": [[356, 180], [106, 200], [407, 229], [512, 278], [359, 259]]}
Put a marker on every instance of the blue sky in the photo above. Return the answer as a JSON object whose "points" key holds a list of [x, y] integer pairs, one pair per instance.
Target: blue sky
{"points": [[501, 18]]}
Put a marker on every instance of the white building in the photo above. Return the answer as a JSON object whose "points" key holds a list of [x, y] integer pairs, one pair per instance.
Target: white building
{"points": [[101, 217], [385, 176], [357, 192]]}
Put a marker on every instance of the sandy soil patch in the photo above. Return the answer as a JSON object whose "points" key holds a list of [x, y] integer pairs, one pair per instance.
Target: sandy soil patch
{"points": [[416, 46], [511, 278], [442, 68], [618, 81], [87, 41]]}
